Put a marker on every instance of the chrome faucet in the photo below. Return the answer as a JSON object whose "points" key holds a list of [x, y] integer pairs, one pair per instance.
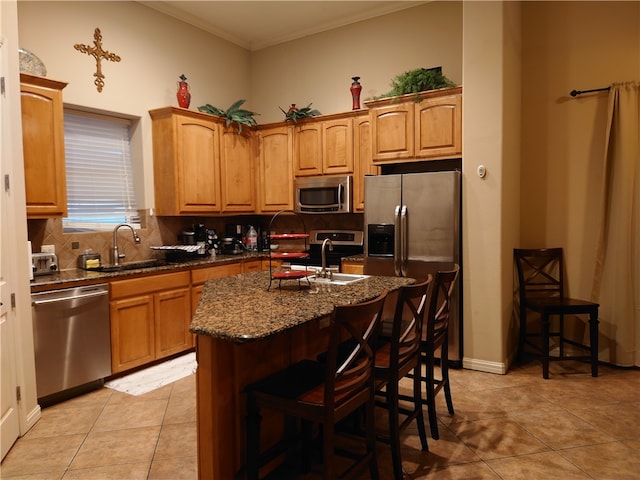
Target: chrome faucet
{"points": [[324, 273], [116, 254]]}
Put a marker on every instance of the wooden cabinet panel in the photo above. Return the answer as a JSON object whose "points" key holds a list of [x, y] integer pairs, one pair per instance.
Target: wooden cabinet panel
{"points": [[186, 161], [438, 126], [392, 131], [275, 167], [150, 319], [43, 146], [348, 266], [414, 128], [237, 159], [201, 275], [132, 333], [173, 316], [307, 148], [363, 160], [337, 146], [251, 266], [323, 147]]}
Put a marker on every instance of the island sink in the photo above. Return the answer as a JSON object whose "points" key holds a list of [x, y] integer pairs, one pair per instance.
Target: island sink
{"points": [[337, 278]]}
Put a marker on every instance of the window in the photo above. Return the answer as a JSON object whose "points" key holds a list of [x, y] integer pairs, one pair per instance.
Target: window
{"points": [[100, 186]]}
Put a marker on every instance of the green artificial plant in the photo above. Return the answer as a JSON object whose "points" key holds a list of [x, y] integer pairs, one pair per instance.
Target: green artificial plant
{"points": [[233, 114], [418, 80], [294, 114]]}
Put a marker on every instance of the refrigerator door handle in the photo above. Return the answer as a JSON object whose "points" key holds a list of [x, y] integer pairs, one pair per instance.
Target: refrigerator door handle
{"points": [[397, 243], [404, 245]]}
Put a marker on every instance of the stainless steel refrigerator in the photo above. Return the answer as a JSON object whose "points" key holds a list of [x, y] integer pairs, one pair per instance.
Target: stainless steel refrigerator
{"points": [[413, 228]]}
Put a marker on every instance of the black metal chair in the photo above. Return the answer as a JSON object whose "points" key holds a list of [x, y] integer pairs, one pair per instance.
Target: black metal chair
{"points": [[541, 290], [323, 392]]}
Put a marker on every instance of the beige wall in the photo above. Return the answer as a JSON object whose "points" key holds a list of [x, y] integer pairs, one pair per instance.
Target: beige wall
{"points": [[155, 50], [491, 132], [566, 46], [318, 69]]}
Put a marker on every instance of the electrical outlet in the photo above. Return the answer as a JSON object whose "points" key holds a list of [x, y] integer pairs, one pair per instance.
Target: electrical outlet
{"points": [[48, 249]]}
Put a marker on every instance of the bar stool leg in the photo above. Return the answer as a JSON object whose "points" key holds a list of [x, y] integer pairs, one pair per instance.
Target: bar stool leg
{"points": [[593, 341], [545, 346]]}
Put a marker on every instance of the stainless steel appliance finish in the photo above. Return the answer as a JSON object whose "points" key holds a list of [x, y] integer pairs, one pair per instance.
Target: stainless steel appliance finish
{"points": [[346, 243], [44, 263], [412, 228], [325, 194], [72, 337]]}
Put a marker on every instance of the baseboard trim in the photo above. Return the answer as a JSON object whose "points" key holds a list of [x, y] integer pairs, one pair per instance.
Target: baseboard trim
{"points": [[31, 419], [484, 366]]}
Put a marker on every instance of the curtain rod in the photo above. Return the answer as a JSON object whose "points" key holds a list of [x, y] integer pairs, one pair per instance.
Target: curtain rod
{"points": [[575, 93]]}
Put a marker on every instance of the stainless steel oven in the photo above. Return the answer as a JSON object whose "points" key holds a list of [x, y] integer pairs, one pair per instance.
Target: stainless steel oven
{"points": [[326, 194]]}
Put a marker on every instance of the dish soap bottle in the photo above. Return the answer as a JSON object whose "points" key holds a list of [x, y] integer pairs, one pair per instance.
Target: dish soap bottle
{"points": [[252, 239]]}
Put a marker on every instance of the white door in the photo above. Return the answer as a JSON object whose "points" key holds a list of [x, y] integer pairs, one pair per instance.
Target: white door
{"points": [[9, 414]]}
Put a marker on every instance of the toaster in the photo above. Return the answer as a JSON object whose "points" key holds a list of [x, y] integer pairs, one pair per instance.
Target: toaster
{"points": [[44, 263]]}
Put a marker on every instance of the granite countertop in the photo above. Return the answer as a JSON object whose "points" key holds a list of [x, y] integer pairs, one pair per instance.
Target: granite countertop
{"points": [[71, 277], [241, 309]]}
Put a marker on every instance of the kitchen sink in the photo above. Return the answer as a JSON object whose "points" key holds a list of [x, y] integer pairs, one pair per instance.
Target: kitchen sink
{"points": [[338, 278], [135, 265]]}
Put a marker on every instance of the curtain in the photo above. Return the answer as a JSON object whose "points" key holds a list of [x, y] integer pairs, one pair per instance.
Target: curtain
{"points": [[616, 282]]}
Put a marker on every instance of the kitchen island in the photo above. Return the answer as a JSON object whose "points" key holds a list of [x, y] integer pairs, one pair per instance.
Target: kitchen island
{"points": [[246, 332]]}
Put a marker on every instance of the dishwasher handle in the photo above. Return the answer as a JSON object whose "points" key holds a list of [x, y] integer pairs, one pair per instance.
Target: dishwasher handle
{"points": [[75, 297]]}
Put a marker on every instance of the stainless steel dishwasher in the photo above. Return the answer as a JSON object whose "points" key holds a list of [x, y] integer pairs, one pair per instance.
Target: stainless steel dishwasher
{"points": [[72, 338]]}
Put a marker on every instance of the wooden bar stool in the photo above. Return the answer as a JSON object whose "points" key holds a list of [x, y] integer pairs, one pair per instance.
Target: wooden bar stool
{"points": [[396, 357], [324, 392], [435, 338]]}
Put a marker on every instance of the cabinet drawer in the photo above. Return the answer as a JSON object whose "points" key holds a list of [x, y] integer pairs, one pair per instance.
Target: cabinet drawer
{"points": [[201, 275], [150, 284]]}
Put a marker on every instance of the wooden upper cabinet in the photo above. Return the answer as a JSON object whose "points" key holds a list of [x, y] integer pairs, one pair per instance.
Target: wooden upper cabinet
{"points": [[237, 160], [438, 122], [403, 129], [323, 147], [43, 146], [337, 146], [363, 160], [392, 131], [275, 169], [186, 162], [307, 148]]}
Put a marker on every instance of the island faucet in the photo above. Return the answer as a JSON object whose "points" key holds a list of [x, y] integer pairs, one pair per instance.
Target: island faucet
{"points": [[117, 255], [323, 271]]}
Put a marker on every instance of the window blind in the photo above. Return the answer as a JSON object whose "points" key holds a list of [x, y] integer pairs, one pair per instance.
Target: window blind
{"points": [[100, 187]]}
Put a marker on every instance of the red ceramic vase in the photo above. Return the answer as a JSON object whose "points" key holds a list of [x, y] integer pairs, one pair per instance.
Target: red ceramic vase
{"points": [[184, 96], [356, 88]]}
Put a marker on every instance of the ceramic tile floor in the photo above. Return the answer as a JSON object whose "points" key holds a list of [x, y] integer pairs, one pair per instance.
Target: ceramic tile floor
{"points": [[514, 426]]}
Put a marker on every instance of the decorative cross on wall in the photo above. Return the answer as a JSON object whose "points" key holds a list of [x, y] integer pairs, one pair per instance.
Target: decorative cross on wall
{"points": [[98, 53]]}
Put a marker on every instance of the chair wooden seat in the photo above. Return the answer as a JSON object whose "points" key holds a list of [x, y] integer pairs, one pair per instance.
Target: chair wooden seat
{"points": [[323, 393], [541, 290]]}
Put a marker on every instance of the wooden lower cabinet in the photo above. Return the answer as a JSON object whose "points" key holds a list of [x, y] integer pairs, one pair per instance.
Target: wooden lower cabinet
{"points": [[201, 275], [150, 319], [347, 266]]}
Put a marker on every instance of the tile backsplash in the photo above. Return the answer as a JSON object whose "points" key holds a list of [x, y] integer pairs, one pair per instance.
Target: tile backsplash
{"points": [[164, 231]]}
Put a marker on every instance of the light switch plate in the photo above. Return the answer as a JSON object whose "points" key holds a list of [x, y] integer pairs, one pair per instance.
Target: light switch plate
{"points": [[48, 249]]}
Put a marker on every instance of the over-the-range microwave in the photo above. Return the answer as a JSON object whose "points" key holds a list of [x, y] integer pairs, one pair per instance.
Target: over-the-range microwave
{"points": [[326, 194]]}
